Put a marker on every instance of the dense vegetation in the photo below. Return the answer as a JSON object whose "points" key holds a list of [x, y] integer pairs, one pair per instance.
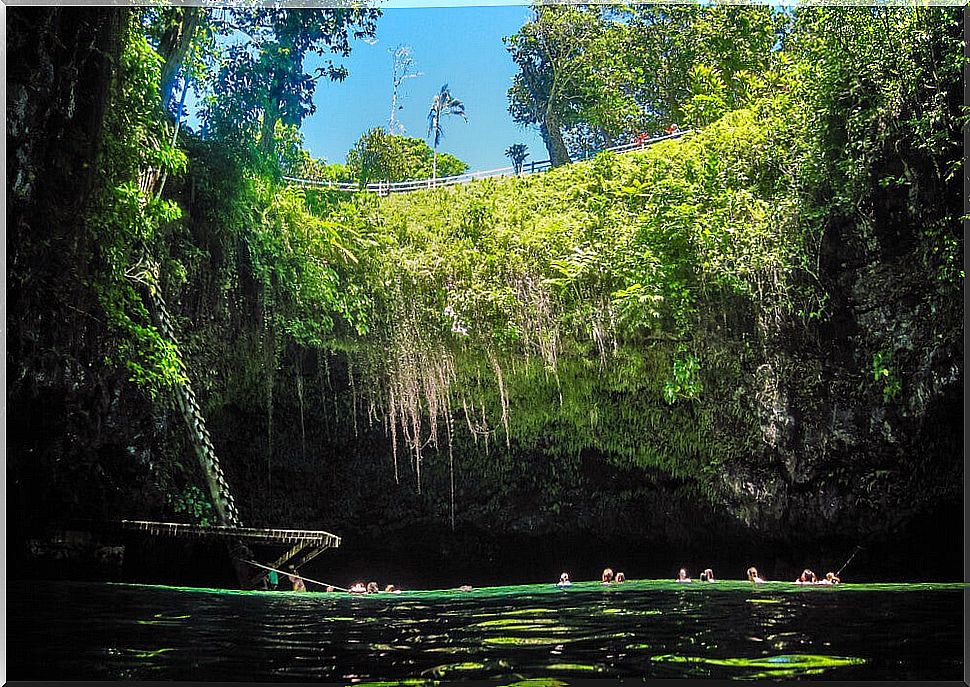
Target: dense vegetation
{"points": [[756, 328]]}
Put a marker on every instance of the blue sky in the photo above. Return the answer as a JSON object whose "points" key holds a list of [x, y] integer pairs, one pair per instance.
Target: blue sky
{"points": [[460, 46]]}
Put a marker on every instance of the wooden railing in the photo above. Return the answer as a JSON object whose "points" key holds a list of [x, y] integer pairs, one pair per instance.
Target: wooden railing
{"points": [[249, 535]]}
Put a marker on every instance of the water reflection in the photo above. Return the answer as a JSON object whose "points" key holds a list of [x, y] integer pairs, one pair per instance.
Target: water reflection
{"points": [[509, 635]]}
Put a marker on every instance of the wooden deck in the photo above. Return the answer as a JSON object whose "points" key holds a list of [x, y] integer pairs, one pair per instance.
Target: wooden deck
{"points": [[247, 535]]}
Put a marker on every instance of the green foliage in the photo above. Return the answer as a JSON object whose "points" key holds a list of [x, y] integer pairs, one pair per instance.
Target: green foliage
{"points": [[613, 308], [261, 81], [588, 73], [299, 259], [129, 218], [883, 373], [380, 156], [193, 503], [685, 383]]}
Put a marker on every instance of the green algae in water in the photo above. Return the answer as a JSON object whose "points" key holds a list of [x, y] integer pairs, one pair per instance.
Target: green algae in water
{"points": [[518, 590]]}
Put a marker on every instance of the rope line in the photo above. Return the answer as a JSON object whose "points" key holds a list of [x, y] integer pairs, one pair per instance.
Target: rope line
{"points": [[283, 572]]}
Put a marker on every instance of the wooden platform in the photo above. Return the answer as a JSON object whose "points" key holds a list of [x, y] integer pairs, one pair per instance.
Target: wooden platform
{"points": [[247, 535]]}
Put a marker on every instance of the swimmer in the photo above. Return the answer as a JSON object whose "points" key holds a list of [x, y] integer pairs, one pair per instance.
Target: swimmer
{"points": [[391, 589], [708, 576], [753, 575], [682, 576], [620, 578], [465, 588], [357, 588], [564, 580], [372, 588], [607, 575], [296, 581], [807, 577], [830, 578], [329, 587]]}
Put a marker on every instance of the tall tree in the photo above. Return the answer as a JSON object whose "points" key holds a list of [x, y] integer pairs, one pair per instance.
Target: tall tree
{"points": [[442, 105], [548, 90], [401, 72], [702, 54], [180, 25], [263, 82]]}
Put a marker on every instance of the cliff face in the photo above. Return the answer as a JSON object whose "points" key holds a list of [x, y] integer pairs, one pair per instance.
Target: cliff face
{"points": [[746, 434]]}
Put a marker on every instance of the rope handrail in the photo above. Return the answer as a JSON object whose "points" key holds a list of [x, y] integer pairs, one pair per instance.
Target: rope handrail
{"points": [[294, 574], [388, 187]]}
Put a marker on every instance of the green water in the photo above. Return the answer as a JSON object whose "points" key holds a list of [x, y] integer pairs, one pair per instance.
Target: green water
{"points": [[528, 635]]}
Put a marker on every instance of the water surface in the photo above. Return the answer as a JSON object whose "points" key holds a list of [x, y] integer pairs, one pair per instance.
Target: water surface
{"points": [[653, 629]]}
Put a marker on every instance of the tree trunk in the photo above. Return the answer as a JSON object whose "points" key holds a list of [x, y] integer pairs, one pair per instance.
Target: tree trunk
{"points": [[173, 47], [552, 137], [267, 134]]}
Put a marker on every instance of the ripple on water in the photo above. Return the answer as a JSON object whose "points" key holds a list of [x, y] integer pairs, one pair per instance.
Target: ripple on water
{"points": [[782, 665], [396, 683], [576, 667], [516, 611], [466, 669], [525, 641], [515, 623], [625, 611], [537, 682]]}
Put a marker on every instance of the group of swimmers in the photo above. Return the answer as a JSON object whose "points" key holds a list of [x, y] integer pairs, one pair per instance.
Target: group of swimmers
{"points": [[608, 577], [298, 584], [371, 588], [807, 577]]}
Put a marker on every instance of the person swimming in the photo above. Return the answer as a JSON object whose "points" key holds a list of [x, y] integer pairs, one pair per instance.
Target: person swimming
{"points": [[620, 577], [830, 578], [682, 576], [372, 588], [465, 588], [807, 577], [564, 580], [357, 588], [298, 584], [708, 576], [607, 575], [753, 575]]}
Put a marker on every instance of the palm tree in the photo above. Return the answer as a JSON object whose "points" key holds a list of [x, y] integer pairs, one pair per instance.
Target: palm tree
{"points": [[442, 104], [517, 153]]}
